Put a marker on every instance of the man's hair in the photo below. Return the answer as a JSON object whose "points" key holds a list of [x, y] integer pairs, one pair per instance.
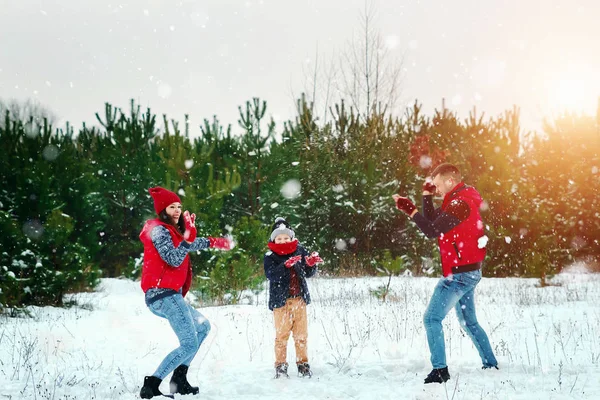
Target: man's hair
{"points": [[446, 169]]}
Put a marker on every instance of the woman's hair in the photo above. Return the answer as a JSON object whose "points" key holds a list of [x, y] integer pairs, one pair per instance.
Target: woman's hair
{"points": [[180, 225]]}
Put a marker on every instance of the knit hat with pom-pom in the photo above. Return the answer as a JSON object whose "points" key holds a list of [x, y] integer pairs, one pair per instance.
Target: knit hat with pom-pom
{"points": [[281, 227]]}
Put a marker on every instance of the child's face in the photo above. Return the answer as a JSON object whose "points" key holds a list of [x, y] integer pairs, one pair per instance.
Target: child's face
{"points": [[282, 238]]}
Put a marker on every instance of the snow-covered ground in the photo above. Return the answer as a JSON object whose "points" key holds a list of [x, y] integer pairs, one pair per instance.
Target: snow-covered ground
{"points": [[547, 342]]}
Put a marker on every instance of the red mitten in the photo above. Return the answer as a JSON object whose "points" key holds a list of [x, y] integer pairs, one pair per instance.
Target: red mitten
{"points": [[428, 187], [220, 243], [190, 226], [405, 205], [292, 260], [313, 259]]}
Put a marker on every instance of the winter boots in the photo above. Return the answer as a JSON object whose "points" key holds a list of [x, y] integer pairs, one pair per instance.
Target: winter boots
{"points": [[179, 383], [490, 367], [439, 375], [150, 388], [304, 370], [281, 370]]}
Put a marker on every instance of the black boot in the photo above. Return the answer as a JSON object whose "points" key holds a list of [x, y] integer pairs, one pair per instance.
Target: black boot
{"points": [[490, 367], [304, 370], [179, 383], [439, 375], [281, 370], [150, 388]]}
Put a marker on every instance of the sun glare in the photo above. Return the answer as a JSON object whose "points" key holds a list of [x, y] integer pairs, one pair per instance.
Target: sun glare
{"points": [[574, 89]]}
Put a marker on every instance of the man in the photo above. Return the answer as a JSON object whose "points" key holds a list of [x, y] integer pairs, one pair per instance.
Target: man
{"points": [[459, 229]]}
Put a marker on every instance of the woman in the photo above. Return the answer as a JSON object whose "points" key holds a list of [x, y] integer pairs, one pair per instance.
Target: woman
{"points": [[166, 279]]}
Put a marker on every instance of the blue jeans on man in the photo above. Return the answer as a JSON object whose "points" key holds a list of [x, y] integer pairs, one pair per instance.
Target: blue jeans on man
{"points": [[456, 291]]}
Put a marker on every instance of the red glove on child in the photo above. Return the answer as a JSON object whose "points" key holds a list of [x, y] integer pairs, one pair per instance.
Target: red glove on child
{"points": [[429, 187], [190, 226], [313, 259], [220, 243], [292, 260], [404, 204]]}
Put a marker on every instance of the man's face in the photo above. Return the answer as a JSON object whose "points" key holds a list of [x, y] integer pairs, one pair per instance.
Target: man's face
{"points": [[443, 184]]}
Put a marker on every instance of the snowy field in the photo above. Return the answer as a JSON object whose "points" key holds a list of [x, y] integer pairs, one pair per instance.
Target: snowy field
{"points": [[547, 342]]}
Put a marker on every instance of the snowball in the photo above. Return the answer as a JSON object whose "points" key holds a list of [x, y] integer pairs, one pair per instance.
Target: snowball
{"points": [[181, 192], [425, 161], [507, 239], [50, 152], [189, 164], [484, 206], [340, 244], [291, 189], [482, 242], [33, 229]]}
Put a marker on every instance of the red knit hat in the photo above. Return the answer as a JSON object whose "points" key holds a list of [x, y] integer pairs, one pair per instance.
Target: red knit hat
{"points": [[162, 198]]}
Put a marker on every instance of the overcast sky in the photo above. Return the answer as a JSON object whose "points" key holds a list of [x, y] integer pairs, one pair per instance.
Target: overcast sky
{"points": [[208, 57]]}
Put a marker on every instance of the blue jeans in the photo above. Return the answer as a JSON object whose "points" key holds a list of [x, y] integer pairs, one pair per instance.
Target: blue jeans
{"points": [[189, 325], [456, 291]]}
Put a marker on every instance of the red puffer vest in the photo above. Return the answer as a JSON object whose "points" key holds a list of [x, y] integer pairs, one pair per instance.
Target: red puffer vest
{"points": [[156, 273], [460, 246]]}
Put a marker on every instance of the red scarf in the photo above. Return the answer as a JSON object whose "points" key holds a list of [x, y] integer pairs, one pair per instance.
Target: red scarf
{"points": [[283, 248]]}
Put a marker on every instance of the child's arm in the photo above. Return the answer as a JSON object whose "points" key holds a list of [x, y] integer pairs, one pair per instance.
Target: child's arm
{"points": [[276, 272], [307, 270]]}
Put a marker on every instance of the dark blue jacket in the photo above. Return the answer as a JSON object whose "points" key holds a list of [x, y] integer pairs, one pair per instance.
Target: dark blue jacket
{"points": [[279, 276]]}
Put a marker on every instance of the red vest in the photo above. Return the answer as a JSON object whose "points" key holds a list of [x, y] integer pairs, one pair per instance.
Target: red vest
{"points": [[156, 273], [460, 246]]}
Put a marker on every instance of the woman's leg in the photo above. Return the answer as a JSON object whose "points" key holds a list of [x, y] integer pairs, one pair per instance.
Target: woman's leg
{"points": [[175, 310], [202, 327]]}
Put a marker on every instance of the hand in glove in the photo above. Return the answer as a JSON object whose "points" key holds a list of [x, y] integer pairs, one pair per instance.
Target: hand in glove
{"points": [[313, 259], [190, 226], [292, 260], [405, 205], [428, 188], [220, 243]]}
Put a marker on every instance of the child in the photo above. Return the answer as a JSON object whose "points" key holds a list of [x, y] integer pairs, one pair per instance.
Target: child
{"points": [[287, 266]]}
